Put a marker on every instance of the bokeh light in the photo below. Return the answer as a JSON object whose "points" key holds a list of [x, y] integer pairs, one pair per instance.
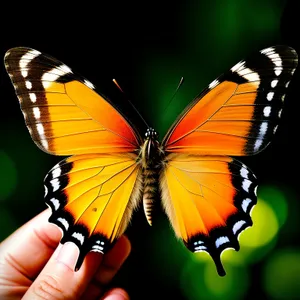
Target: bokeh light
{"points": [[8, 175], [201, 281], [264, 229], [276, 198], [281, 274]]}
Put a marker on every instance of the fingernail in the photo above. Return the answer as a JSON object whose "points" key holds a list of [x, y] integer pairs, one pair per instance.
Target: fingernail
{"points": [[68, 255], [116, 297], [116, 294]]}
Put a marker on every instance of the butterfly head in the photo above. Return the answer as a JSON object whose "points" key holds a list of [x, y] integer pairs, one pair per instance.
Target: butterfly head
{"points": [[151, 134]]}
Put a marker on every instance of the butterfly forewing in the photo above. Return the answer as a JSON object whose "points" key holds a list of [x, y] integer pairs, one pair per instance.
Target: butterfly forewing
{"points": [[62, 110], [239, 112]]}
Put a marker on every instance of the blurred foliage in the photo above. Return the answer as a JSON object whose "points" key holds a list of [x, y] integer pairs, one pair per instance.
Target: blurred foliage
{"points": [[281, 274]]}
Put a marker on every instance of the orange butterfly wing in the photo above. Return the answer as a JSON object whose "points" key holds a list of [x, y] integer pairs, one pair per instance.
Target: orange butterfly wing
{"points": [[239, 112], [91, 194], [92, 197], [63, 112], [207, 195], [208, 200]]}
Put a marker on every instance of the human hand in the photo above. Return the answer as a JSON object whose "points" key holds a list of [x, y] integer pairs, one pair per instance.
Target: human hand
{"points": [[33, 267]]}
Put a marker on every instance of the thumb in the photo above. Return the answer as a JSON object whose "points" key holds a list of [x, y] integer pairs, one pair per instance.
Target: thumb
{"points": [[58, 280]]}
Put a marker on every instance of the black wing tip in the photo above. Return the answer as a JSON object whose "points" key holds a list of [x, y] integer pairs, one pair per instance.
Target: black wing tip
{"points": [[219, 266]]}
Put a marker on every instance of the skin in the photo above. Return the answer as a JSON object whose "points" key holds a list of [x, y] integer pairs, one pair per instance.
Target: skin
{"points": [[34, 266]]}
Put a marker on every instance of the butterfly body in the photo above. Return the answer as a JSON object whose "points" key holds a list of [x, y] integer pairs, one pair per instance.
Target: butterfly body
{"points": [[151, 158], [206, 193]]}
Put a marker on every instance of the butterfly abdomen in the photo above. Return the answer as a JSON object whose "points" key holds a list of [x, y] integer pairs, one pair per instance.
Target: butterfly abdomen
{"points": [[150, 191], [151, 165]]}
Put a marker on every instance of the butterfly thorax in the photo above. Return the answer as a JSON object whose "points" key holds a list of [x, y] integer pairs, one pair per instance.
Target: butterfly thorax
{"points": [[151, 158]]}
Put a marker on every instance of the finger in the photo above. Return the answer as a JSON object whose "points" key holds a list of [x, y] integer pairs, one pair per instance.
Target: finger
{"points": [[58, 280], [36, 240], [110, 265], [116, 294]]}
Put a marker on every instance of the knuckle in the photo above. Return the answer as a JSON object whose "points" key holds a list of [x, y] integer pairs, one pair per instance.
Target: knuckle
{"points": [[49, 288]]}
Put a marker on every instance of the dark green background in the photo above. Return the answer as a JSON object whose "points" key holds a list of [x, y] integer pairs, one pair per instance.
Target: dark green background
{"points": [[148, 47]]}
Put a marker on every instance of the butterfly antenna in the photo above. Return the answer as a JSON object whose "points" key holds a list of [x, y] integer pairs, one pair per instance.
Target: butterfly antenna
{"points": [[172, 98], [118, 86]]}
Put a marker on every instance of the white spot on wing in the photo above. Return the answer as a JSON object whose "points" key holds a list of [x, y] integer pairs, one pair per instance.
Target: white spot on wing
{"points": [[64, 222], [238, 66], [41, 132], [40, 129], [44, 144], [199, 248], [245, 204], [221, 240], [257, 145], [198, 243], [97, 248], [237, 226], [65, 69], [89, 84], [246, 184], [79, 237], [267, 111], [54, 74], [55, 184], [266, 50], [28, 85], [56, 172], [24, 73], [36, 112], [55, 203], [32, 97], [275, 58], [249, 74], [274, 83], [278, 71], [213, 84], [244, 172], [262, 132], [270, 96], [26, 59]]}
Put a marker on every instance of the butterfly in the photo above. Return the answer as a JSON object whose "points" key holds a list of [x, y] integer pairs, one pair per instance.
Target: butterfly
{"points": [[111, 167]]}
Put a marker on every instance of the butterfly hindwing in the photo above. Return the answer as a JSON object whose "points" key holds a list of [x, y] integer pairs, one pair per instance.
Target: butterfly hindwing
{"points": [[239, 112], [62, 110], [92, 197], [208, 200]]}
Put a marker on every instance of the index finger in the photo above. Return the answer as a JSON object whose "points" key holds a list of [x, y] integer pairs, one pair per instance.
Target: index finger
{"points": [[36, 239]]}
